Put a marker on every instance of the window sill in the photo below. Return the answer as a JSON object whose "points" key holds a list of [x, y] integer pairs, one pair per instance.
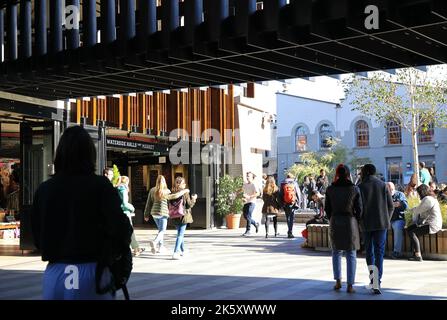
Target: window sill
{"points": [[393, 145]]}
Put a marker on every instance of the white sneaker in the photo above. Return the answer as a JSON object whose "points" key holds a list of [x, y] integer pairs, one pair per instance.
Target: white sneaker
{"points": [[176, 256], [369, 286], [152, 245]]}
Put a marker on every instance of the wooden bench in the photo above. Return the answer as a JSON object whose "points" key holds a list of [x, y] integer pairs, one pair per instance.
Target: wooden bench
{"points": [[433, 246]]}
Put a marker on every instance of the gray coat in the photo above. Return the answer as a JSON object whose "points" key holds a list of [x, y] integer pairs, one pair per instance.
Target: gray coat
{"points": [[344, 208], [377, 204]]}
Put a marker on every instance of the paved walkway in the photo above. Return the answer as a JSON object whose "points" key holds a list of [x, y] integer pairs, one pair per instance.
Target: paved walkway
{"points": [[222, 265]]}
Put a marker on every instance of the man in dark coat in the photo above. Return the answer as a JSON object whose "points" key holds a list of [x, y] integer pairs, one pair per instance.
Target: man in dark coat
{"points": [[377, 211]]}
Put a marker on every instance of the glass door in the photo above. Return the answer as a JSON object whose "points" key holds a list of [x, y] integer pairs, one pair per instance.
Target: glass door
{"points": [[38, 142]]}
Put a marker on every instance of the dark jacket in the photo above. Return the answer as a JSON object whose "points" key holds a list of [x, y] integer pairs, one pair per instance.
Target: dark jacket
{"points": [[271, 203], [399, 212], [343, 208], [188, 203], [377, 204], [73, 215]]}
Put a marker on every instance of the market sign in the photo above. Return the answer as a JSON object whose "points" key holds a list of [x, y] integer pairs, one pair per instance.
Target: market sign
{"points": [[136, 145]]}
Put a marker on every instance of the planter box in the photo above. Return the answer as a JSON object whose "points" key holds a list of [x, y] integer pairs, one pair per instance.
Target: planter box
{"points": [[433, 246]]}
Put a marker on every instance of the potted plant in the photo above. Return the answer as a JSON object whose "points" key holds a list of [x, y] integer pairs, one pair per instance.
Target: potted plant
{"points": [[229, 200]]}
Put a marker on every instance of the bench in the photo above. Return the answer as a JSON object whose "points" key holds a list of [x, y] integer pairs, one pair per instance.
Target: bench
{"points": [[433, 246]]}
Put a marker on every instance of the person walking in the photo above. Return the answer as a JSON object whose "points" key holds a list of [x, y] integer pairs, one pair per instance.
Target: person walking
{"points": [[78, 224], [377, 211], [427, 219], [251, 192], [157, 207], [343, 208], [398, 219], [271, 206], [129, 211], [183, 204], [290, 198]]}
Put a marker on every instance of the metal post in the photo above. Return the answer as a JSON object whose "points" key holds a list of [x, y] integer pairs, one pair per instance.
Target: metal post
{"points": [[170, 19], [40, 13], [216, 11], [2, 34], [193, 17], [147, 19], [56, 13], [73, 38], [25, 29], [108, 12], [11, 13], [89, 24], [127, 19]]}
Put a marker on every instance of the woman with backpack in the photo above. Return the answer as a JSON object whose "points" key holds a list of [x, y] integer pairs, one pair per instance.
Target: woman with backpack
{"points": [[180, 212], [271, 206], [129, 210]]}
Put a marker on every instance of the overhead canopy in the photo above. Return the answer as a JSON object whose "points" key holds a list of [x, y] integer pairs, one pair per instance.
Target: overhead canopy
{"points": [[198, 43]]}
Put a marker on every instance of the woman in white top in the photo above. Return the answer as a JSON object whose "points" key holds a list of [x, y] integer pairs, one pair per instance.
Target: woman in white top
{"points": [[427, 218]]}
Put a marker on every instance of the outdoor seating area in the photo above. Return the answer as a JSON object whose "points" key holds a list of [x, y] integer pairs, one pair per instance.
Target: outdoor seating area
{"points": [[433, 246]]}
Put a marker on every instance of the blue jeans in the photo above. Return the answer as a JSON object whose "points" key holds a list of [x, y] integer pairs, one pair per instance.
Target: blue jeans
{"points": [[162, 224], [248, 211], [398, 235], [180, 241], [290, 217], [351, 263], [375, 249], [63, 281]]}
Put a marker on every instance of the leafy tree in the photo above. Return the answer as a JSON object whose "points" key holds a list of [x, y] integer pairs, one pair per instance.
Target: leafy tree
{"points": [[313, 162], [413, 99]]}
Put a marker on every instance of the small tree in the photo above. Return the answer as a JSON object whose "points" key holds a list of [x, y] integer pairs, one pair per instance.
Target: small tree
{"points": [[313, 162], [229, 195], [412, 98]]}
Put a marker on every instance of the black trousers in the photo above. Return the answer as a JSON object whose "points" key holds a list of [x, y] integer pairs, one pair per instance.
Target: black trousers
{"points": [[267, 223], [415, 232]]}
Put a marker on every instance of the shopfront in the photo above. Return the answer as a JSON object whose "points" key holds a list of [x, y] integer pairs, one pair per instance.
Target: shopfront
{"points": [[29, 132]]}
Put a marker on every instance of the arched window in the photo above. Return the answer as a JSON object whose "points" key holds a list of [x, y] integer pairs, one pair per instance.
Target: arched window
{"points": [[362, 133], [394, 132], [426, 134], [326, 136], [300, 139]]}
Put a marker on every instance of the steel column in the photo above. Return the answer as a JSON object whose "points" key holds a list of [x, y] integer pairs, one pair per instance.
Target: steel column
{"points": [[127, 19], [193, 17], [73, 38], [11, 45], [170, 19], [2, 34], [216, 11], [40, 28], [108, 19], [56, 13], [89, 24], [25, 29]]}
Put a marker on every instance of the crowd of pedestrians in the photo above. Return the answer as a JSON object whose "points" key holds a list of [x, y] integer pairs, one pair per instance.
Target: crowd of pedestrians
{"points": [[359, 213]]}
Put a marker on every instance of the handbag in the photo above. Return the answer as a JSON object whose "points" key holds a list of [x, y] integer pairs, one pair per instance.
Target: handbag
{"points": [[176, 208]]}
